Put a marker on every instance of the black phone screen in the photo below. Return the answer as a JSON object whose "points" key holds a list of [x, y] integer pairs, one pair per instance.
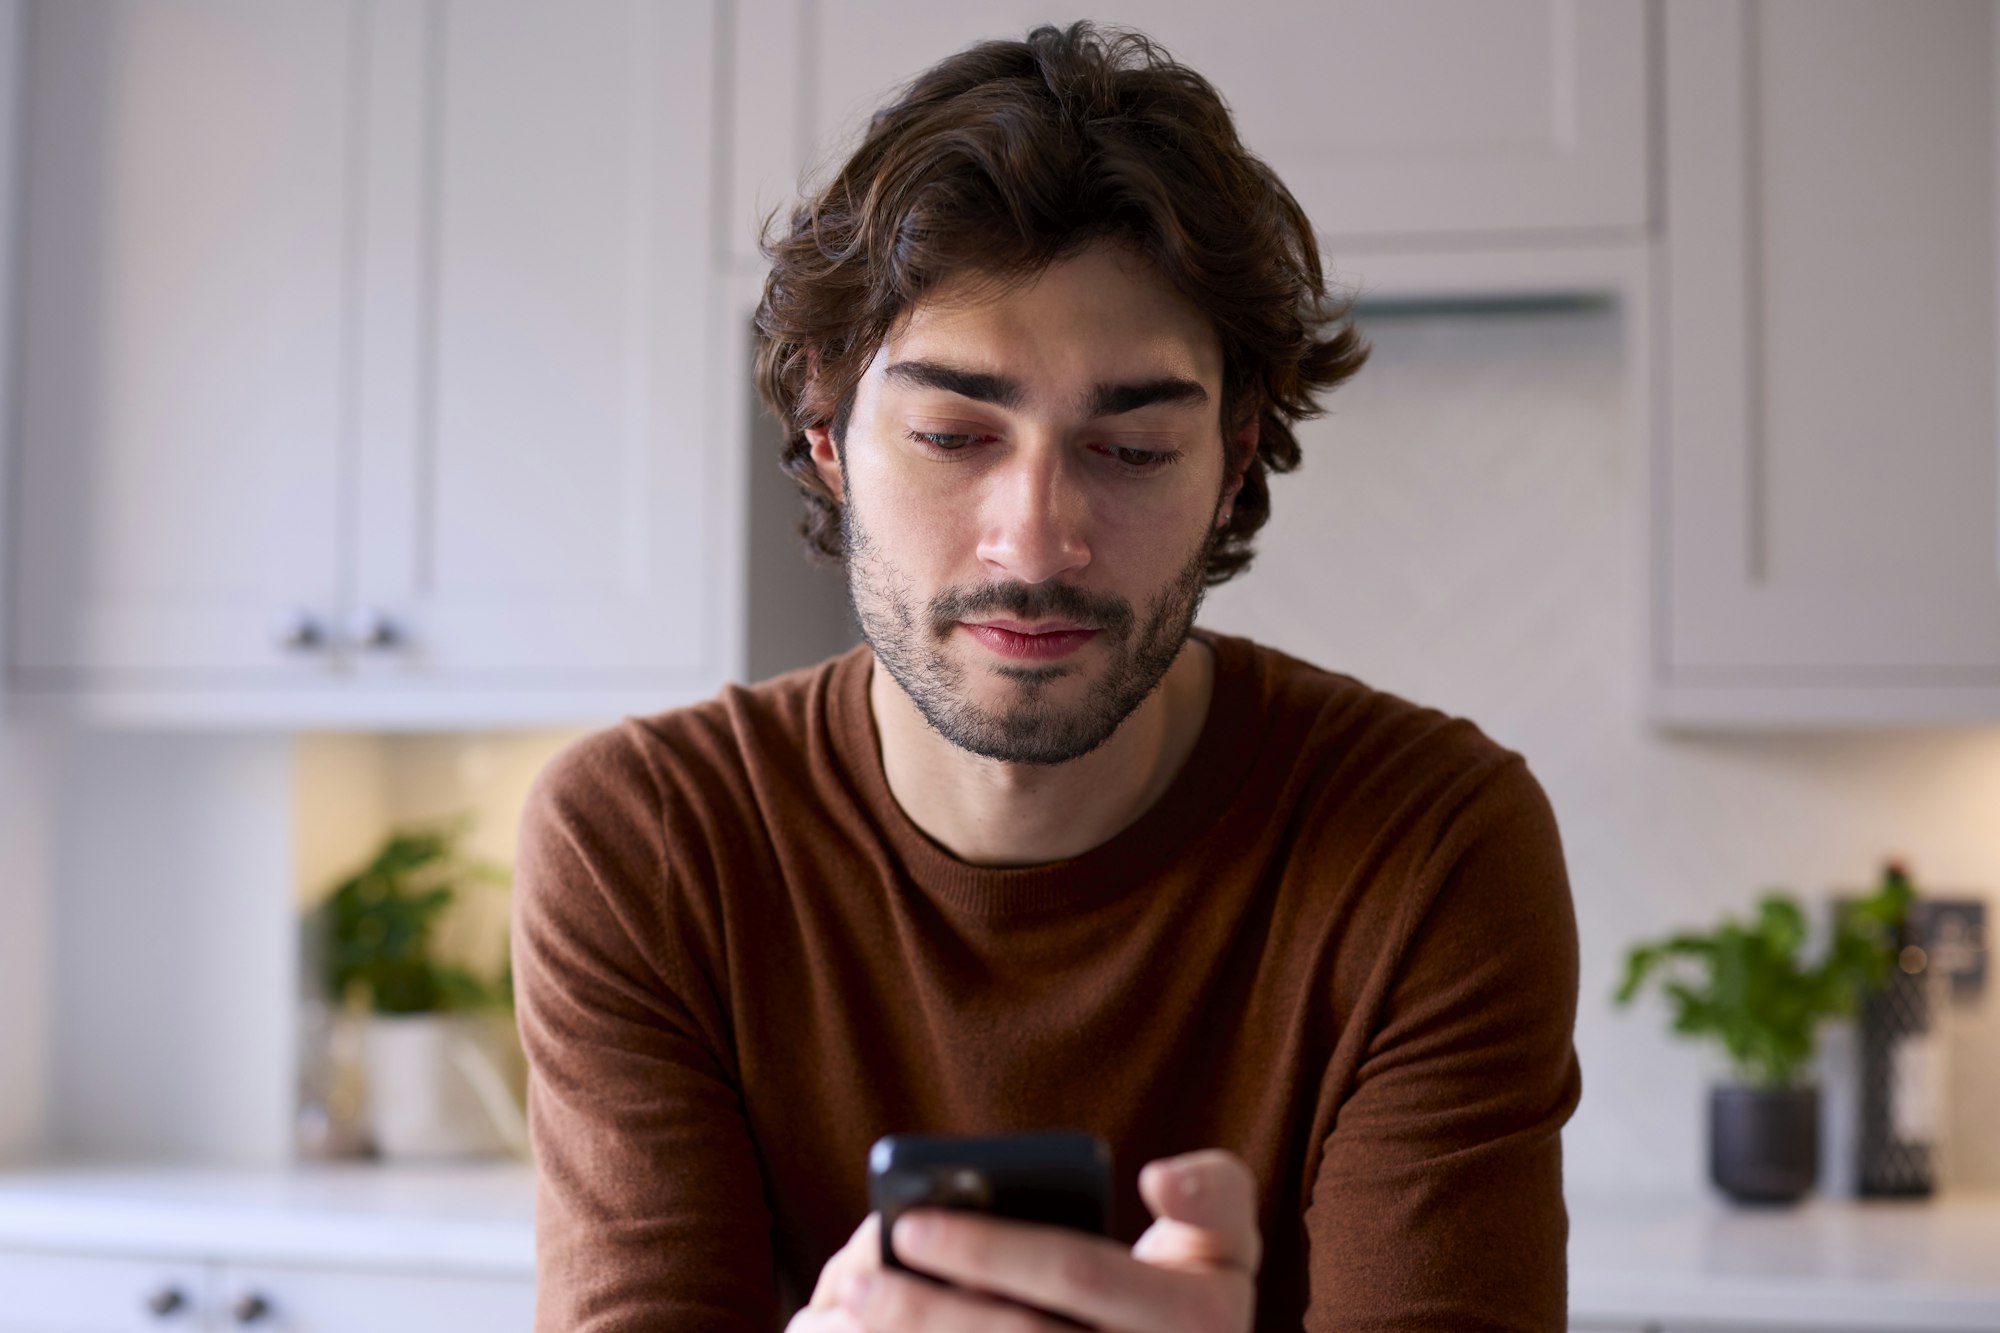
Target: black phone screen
{"points": [[1054, 1177]]}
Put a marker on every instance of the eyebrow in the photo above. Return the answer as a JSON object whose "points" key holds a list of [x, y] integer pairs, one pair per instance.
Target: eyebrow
{"points": [[974, 384], [1106, 400]]}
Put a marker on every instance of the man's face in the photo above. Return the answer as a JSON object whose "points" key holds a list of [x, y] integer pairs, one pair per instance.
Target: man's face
{"points": [[1032, 481]]}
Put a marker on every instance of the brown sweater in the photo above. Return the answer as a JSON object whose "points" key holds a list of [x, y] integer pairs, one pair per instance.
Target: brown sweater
{"points": [[1341, 944]]}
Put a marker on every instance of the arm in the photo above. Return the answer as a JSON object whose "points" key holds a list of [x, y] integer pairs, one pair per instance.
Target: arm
{"points": [[650, 1208], [1438, 1202]]}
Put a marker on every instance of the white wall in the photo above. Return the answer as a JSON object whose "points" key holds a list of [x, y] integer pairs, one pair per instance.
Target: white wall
{"points": [[173, 942], [24, 976], [24, 816], [1466, 532]]}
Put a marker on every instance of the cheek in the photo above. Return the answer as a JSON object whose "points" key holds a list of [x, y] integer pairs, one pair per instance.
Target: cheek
{"points": [[1155, 528], [915, 522]]}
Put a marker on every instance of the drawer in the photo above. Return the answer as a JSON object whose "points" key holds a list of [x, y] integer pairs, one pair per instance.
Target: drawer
{"points": [[53, 1293], [344, 1300]]}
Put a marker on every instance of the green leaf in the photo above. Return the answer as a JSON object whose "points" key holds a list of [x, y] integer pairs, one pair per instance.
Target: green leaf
{"points": [[378, 923], [1638, 962], [1747, 987]]}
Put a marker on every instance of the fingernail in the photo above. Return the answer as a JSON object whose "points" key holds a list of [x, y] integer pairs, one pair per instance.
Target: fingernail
{"points": [[855, 1290]]}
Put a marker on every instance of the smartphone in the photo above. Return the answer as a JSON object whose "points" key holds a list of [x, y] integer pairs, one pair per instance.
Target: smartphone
{"points": [[1056, 1177]]}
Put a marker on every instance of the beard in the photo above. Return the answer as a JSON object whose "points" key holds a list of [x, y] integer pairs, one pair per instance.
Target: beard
{"points": [[910, 640]]}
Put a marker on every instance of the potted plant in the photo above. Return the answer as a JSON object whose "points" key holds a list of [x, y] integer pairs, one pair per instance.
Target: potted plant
{"points": [[433, 1087], [1746, 986]]}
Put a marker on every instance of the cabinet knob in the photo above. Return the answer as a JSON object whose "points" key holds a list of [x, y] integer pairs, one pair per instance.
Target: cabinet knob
{"points": [[250, 1308], [300, 631], [166, 1301], [373, 629]]}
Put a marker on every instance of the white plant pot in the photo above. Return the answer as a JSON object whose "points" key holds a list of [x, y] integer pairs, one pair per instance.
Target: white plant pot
{"points": [[435, 1091]]}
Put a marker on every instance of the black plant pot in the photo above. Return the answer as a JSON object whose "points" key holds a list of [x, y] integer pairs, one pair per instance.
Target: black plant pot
{"points": [[1763, 1143]]}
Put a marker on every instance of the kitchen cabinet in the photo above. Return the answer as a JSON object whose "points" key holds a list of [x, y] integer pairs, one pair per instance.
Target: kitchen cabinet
{"points": [[55, 1293], [63, 1293], [1451, 124], [332, 1300], [387, 365], [1824, 485], [351, 1247], [180, 335], [368, 357]]}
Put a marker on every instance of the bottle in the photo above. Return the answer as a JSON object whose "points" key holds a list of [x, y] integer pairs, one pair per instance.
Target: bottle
{"points": [[1901, 1070]]}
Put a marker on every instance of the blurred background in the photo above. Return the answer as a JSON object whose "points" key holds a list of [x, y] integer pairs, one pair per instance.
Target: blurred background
{"points": [[377, 419]]}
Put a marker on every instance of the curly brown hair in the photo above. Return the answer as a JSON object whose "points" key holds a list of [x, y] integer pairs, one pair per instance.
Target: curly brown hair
{"points": [[1010, 156]]}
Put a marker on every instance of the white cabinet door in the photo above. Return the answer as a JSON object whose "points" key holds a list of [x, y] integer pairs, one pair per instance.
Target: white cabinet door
{"points": [[396, 315], [1417, 122], [180, 336], [541, 499], [332, 1300], [1826, 544], [48, 1293]]}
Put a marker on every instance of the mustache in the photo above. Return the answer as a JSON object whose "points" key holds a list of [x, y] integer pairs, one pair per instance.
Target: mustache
{"points": [[1033, 601]]}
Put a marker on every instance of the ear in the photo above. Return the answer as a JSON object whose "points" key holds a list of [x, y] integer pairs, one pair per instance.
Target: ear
{"points": [[826, 461], [1242, 449]]}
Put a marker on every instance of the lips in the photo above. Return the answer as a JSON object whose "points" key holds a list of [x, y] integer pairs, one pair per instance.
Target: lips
{"points": [[1011, 638], [1023, 627]]}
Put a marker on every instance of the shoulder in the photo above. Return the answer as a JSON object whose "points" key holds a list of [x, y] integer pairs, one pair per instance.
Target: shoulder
{"points": [[1339, 735], [1432, 834], [624, 828], [677, 797], [698, 752], [1390, 798]]}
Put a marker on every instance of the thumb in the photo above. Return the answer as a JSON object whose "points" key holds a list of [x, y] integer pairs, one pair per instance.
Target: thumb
{"points": [[1204, 1206]]}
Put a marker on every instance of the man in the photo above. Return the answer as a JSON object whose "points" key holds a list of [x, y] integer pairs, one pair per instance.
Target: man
{"points": [[1040, 854]]}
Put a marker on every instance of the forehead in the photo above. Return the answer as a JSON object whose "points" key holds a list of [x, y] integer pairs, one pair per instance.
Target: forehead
{"points": [[1101, 315]]}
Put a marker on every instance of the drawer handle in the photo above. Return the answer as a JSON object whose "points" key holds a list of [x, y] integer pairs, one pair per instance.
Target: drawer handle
{"points": [[250, 1308], [166, 1301], [300, 632], [374, 631]]}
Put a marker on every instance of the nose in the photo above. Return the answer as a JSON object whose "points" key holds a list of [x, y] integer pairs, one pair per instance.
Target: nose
{"points": [[1034, 519]]}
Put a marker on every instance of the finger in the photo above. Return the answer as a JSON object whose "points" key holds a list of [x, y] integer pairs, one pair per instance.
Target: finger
{"points": [[861, 1253], [1066, 1272], [1206, 1203], [836, 1319], [889, 1302]]}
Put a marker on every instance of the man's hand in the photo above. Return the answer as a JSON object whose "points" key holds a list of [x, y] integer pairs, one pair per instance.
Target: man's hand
{"points": [[1194, 1269]]}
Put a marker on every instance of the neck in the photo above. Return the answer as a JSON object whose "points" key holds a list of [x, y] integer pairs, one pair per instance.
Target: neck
{"points": [[991, 813]]}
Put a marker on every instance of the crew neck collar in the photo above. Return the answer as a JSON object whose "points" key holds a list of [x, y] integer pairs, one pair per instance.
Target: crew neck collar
{"points": [[1212, 773]]}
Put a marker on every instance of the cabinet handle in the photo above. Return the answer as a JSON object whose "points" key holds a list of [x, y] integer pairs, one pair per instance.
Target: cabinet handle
{"points": [[166, 1301], [250, 1308], [300, 631], [374, 630]]}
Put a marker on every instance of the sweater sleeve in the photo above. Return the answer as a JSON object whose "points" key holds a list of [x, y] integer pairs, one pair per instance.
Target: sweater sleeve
{"points": [[1438, 1201], [650, 1208]]}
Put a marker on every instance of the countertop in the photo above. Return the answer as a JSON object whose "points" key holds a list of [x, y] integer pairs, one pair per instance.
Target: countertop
{"points": [[1680, 1261], [470, 1218], [1698, 1261]]}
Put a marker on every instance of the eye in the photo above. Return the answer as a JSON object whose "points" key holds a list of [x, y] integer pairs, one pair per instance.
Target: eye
{"points": [[1143, 460], [942, 441]]}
